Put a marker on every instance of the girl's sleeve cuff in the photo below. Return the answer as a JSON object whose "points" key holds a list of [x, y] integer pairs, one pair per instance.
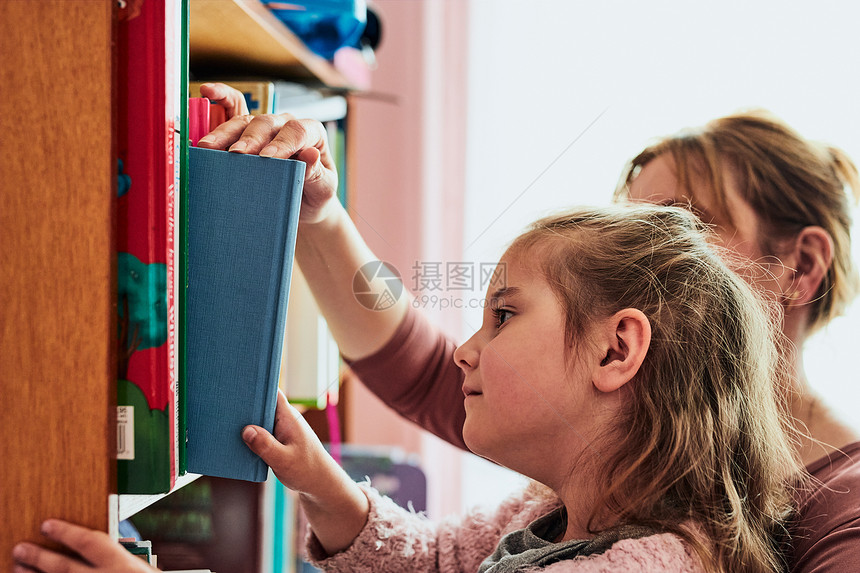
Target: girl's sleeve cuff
{"points": [[392, 538]]}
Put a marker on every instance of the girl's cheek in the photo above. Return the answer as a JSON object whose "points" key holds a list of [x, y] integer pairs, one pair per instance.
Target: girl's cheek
{"points": [[494, 365]]}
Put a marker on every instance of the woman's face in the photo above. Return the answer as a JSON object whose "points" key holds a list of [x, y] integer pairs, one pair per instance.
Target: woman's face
{"points": [[657, 183]]}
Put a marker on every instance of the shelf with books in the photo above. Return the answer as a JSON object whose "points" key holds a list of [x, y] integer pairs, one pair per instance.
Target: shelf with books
{"points": [[58, 351], [243, 38]]}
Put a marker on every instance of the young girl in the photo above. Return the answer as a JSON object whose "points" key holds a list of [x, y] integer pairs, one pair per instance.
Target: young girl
{"points": [[622, 365], [625, 367]]}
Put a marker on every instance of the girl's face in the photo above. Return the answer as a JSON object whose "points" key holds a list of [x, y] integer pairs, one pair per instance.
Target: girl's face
{"points": [[657, 183], [529, 406]]}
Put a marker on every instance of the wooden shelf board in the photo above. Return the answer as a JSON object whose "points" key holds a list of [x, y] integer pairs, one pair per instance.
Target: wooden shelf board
{"points": [[130, 504], [244, 38]]}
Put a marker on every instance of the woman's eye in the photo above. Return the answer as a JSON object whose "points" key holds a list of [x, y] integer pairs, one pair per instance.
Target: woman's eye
{"points": [[502, 316]]}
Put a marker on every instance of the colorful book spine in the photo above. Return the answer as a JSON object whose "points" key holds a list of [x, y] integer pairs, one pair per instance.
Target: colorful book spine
{"points": [[259, 97], [198, 119], [242, 224], [146, 250], [280, 541], [311, 366], [182, 230], [140, 549]]}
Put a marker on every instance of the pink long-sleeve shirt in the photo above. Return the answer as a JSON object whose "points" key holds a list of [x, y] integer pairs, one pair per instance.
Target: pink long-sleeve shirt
{"points": [[415, 374], [394, 540]]}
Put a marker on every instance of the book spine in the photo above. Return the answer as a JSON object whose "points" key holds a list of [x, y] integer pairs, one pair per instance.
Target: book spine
{"points": [[172, 66], [271, 359], [198, 119], [182, 230], [146, 389]]}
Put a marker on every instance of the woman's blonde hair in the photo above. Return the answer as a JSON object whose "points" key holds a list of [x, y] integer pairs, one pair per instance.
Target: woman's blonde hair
{"points": [[706, 449], [788, 180]]}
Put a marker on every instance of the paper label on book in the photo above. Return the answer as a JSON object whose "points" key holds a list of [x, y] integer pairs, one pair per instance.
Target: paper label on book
{"points": [[125, 432]]}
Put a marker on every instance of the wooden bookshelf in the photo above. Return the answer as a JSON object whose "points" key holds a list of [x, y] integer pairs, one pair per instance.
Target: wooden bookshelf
{"points": [[243, 38], [57, 269], [57, 231]]}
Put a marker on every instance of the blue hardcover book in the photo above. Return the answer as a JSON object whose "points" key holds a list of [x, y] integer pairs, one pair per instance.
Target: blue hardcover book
{"points": [[242, 220]]}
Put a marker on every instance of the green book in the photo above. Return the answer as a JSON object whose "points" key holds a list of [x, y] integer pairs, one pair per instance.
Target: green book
{"points": [[183, 237]]}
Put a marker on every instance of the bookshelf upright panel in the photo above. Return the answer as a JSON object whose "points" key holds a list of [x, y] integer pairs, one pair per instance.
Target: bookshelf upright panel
{"points": [[57, 269]]}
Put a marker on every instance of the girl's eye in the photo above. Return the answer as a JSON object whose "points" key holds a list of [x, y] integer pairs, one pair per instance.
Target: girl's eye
{"points": [[502, 316]]}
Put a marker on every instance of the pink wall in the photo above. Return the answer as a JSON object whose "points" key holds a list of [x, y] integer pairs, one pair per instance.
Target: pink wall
{"points": [[406, 183]]}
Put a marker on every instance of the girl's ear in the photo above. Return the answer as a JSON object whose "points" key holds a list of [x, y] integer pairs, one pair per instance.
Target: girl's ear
{"points": [[623, 339], [810, 258]]}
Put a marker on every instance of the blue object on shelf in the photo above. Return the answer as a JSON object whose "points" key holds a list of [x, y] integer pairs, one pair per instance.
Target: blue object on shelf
{"points": [[243, 217], [324, 25]]}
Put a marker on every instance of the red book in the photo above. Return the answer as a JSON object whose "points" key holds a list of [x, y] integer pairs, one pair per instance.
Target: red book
{"points": [[149, 65], [198, 119]]}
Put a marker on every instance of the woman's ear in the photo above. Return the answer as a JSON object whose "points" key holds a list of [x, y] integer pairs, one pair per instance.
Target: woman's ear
{"points": [[811, 257], [623, 339]]}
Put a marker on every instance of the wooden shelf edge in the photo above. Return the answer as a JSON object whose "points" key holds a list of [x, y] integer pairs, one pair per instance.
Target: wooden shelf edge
{"points": [[129, 504], [244, 33]]}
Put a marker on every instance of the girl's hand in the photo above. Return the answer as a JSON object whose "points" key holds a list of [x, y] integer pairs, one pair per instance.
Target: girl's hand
{"points": [[277, 135], [294, 452], [95, 550], [334, 505]]}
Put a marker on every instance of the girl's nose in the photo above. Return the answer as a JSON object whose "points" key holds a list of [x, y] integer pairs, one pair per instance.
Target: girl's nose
{"points": [[466, 355]]}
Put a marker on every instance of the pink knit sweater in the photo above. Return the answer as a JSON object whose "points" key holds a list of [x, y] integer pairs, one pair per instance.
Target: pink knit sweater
{"points": [[395, 540]]}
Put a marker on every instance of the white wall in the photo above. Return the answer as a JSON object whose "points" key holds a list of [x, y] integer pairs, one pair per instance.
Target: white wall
{"points": [[542, 72]]}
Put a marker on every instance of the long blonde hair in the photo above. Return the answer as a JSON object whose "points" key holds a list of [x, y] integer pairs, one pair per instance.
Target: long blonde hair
{"points": [[706, 450], [788, 180]]}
